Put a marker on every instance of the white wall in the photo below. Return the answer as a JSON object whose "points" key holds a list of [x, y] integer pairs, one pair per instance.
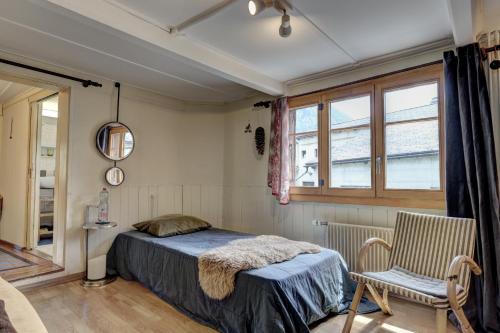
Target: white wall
{"points": [[176, 166], [248, 204], [487, 15], [13, 168]]}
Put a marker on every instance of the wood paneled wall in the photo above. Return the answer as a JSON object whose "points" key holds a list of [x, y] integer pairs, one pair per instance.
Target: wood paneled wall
{"points": [[253, 209], [132, 204]]}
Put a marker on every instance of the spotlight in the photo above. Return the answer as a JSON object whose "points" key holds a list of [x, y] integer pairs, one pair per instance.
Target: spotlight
{"points": [[255, 6], [285, 27]]}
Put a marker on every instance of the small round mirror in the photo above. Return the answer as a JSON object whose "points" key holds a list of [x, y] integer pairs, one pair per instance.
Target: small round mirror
{"points": [[115, 176], [115, 141]]}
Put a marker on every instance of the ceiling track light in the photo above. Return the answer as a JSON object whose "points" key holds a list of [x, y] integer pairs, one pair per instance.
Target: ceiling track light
{"points": [[257, 6], [285, 27]]}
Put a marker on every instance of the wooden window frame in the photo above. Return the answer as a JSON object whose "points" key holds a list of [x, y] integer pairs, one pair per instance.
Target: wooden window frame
{"points": [[377, 194], [357, 90], [400, 81]]}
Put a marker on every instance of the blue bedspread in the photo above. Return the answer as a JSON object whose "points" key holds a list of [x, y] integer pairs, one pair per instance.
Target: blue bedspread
{"points": [[283, 297]]}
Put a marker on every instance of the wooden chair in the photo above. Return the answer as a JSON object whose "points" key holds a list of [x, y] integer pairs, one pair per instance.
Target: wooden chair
{"points": [[425, 266]]}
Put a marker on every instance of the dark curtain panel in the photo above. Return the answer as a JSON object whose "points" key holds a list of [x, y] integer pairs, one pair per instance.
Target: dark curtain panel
{"points": [[471, 176]]}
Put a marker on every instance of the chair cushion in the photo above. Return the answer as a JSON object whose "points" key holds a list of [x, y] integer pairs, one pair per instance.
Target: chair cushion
{"points": [[404, 278], [420, 288]]}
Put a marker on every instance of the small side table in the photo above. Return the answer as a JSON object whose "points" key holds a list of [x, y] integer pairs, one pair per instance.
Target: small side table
{"points": [[86, 282]]}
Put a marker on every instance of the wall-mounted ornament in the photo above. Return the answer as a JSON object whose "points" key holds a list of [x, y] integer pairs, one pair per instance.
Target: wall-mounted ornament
{"points": [[116, 142], [260, 140], [115, 176], [248, 128]]}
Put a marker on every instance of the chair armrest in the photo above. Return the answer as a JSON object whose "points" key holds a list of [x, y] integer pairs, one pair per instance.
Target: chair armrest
{"points": [[453, 272], [364, 250]]}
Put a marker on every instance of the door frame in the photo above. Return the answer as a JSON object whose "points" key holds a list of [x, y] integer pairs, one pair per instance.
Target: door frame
{"points": [[33, 171], [44, 89]]}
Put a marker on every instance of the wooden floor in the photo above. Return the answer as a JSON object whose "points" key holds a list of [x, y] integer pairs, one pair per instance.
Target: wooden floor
{"points": [[128, 307], [39, 264]]}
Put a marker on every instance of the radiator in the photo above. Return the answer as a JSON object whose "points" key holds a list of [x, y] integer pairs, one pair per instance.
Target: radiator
{"points": [[348, 239]]}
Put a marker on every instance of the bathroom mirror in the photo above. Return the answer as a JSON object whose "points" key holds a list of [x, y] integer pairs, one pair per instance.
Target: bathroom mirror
{"points": [[115, 141], [115, 176]]}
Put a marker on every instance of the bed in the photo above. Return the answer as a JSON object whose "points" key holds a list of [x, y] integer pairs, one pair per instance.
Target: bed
{"points": [[283, 297]]}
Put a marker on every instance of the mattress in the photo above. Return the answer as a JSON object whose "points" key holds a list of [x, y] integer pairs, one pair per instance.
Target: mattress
{"points": [[282, 297]]}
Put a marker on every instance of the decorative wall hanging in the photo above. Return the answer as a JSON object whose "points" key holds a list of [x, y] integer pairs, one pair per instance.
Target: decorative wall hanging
{"points": [[115, 176], [260, 140], [116, 142], [248, 128]]}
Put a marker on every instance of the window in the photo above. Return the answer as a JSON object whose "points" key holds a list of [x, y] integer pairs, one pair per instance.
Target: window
{"points": [[411, 116], [374, 142], [350, 142], [304, 141]]}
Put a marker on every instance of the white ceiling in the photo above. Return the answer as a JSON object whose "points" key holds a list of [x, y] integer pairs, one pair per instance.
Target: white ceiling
{"points": [[9, 90], [225, 57], [355, 30], [59, 38]]}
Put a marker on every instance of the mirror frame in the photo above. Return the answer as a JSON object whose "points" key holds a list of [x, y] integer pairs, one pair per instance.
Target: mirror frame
{"points": [[106, 176], [97, 140]]}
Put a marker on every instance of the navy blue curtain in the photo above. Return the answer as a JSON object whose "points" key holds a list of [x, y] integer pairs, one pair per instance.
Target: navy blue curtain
{"points": [[471, 176]]}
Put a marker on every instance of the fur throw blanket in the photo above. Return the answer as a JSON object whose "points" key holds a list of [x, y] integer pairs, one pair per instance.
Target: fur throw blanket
{"points": [[218, 267]]}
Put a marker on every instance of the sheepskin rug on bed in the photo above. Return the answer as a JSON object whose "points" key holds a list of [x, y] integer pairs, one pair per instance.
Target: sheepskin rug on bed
{"points": [[218, 267]]}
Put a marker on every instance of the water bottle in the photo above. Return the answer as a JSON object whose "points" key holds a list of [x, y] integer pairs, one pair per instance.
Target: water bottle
{"points": [[103, 205]]}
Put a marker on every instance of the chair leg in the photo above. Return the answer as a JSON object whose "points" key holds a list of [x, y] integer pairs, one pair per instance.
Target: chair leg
{"points": [[441, 320], [462, 319], [354, 307], [382, 302], [385, 299]]}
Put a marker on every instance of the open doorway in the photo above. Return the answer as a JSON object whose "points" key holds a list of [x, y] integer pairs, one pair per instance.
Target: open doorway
{"points": [[33, 154], [44, 115]]}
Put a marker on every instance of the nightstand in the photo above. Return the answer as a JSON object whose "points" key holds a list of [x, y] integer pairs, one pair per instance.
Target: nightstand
{"points": [[86, 282]]}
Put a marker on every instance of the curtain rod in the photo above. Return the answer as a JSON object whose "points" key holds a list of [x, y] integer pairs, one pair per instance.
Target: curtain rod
{"points": [[491, 49], [85, 83], [486, 50]]}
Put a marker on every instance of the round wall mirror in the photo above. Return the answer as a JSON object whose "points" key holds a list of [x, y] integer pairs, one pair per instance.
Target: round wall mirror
{"points": [[115, 141], [115, 176]]}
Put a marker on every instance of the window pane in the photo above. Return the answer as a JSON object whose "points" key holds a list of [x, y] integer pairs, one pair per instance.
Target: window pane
{"points": [[304, 146], [306, 120], [306, 162], [350, 143], [412, 138]]}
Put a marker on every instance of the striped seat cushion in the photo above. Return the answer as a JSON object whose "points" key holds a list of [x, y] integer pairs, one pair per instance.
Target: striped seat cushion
{"points": [[420, 283], [411, 285]]}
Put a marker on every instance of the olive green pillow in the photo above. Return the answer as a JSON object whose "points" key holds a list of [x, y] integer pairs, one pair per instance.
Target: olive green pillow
{"points": [[172, 224]]}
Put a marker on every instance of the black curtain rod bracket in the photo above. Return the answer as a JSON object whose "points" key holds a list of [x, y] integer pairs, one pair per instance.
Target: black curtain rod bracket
{"points": [[265, 104], [85, 83], [486, 50]]}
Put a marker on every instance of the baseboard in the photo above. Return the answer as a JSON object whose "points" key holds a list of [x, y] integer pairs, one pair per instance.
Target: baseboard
{"points": [[51, 282], [11, 245]]}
